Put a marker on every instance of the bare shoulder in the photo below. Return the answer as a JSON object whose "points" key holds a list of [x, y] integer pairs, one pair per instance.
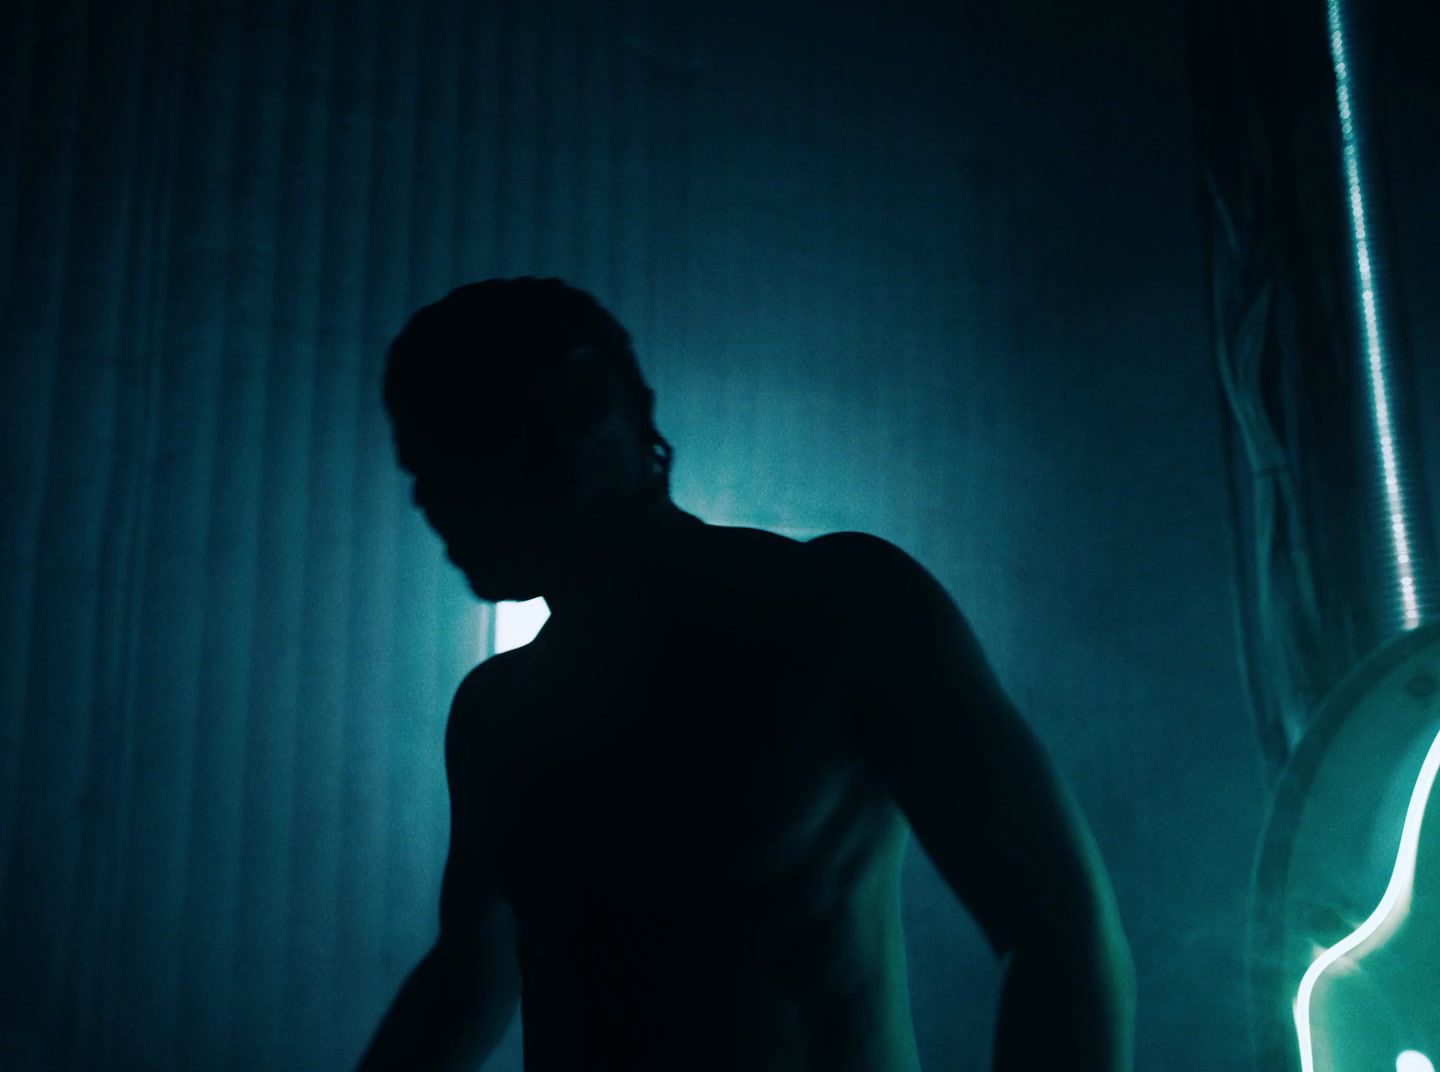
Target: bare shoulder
{"points": [[475, 701], [835, 561], [857, 595], [873, 556], [486, 677], [483, 681], [861, 574], [901, 629]]}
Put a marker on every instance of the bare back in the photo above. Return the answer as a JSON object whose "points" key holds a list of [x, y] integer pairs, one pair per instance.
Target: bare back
{"points": [[703, 873]]}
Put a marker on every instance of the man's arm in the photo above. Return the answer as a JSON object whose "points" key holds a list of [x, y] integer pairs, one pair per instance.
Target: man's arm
{"points": [[991, 812], [457, 1003]]}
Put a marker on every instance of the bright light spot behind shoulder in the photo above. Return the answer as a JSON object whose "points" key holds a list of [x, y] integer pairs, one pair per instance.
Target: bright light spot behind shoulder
{"points": [[517, 623], [1413, 1061]]}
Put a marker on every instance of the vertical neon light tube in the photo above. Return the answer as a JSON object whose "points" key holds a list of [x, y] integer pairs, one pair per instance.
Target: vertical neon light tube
{"points": [[1371, 335]]}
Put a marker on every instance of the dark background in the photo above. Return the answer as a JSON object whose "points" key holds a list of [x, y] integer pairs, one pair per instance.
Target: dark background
{"points": [[933, 271]]}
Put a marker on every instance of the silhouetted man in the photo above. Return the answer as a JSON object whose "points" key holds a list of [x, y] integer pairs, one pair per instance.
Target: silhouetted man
{"points": [[678, 816]]}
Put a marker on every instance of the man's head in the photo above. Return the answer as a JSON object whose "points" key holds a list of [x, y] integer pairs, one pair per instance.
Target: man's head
{"points": [[520, 410]]}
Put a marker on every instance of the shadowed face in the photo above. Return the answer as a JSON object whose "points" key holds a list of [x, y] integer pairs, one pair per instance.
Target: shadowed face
{"points": [[498, 521], [521, 513]]}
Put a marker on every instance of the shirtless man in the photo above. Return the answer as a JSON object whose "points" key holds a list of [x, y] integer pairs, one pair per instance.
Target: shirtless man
{"points": [[678, 816]]}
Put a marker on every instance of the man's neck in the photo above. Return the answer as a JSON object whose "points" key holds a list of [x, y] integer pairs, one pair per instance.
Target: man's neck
{"points": [[625, 558]]}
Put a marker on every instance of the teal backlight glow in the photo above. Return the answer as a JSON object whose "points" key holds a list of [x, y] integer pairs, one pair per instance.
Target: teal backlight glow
{"points": [[1371, 335]]}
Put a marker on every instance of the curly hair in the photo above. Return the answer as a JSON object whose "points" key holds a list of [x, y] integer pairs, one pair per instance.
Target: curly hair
{"points": [[479, 368]]}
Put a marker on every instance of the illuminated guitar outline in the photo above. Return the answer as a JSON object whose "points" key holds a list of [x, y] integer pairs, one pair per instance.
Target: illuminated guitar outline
{"points": [[1382, 922]]}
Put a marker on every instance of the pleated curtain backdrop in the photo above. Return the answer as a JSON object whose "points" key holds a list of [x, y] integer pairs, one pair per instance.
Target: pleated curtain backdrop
{"points": [[228, 641], [892, 267]]}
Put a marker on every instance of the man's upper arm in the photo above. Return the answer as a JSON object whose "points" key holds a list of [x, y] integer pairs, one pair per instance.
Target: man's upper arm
{"points": [[472, 912], [978, 790]]}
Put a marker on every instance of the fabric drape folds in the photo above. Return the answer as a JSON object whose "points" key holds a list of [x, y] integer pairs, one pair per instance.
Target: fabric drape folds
{"points": [[228, 642]]}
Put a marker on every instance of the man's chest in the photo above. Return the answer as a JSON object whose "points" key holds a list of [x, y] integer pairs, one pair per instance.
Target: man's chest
{"points": [[676, 764]]}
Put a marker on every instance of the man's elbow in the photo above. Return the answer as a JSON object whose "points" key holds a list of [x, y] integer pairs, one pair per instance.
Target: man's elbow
{"points": [[449, 1014], [484, 987], [1114, 966], [1090, 964], [1094, 947], [1113, 948], [1068, 1001]]}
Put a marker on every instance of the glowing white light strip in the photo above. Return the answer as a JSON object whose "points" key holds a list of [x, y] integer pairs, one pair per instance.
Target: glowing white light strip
{"points": [[1388, 913], [1413, 1061], [1370, 324]]}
